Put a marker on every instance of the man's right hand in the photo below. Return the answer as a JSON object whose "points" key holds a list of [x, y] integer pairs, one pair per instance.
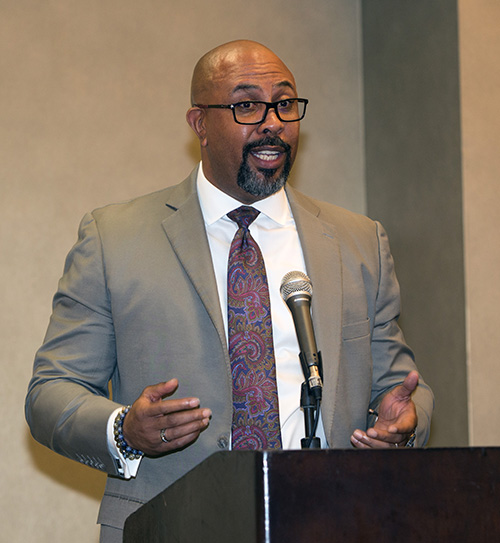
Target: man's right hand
{"points": [[181, 420]]}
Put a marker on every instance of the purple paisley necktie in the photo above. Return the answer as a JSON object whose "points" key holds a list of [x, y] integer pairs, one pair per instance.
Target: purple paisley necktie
{"points": [[256, 423]]}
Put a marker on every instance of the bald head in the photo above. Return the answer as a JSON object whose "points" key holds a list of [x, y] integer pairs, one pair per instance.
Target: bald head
{"points": [[216, 65], [248, 161]]}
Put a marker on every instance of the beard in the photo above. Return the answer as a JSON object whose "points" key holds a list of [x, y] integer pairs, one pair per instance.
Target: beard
{"points": [[264, 182]]}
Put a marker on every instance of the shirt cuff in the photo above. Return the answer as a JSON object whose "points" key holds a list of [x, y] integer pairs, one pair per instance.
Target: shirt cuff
{"points": [[127, 468]]}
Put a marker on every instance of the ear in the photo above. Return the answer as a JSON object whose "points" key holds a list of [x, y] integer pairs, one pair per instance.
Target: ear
{"points": [[196, 120]]}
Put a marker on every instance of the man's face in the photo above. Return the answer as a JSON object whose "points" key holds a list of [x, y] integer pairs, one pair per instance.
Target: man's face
{"points": [[248, 162]]}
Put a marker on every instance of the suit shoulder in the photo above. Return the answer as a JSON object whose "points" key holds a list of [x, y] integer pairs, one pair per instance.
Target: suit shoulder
{"points": [[148, 207], [137, 204], [341, 218]]}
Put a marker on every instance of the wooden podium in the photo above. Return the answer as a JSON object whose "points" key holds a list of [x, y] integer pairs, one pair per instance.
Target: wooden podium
{"points": [[319, 496]]}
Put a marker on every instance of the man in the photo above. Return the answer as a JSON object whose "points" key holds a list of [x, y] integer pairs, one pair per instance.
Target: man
{"points": [[143, 298]]}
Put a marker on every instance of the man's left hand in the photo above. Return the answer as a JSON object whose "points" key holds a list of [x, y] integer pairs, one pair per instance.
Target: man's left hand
{"points": [[397, 419]]}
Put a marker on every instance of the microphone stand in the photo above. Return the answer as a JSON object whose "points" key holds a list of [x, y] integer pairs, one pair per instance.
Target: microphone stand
{"points": [[310, 403]]}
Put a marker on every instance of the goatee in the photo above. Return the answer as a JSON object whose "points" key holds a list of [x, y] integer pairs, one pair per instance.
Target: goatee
{"points": [[264, 182]]}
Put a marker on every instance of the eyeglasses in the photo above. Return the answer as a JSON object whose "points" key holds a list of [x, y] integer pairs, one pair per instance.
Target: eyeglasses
{"points": [[254, 111]]}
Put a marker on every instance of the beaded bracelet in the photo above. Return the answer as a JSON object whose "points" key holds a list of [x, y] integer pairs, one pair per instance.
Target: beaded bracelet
{"points": [[127, 451]]}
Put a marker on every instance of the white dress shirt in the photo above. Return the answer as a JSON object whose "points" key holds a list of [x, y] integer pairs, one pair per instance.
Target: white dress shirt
{"points": [[276, 234]]}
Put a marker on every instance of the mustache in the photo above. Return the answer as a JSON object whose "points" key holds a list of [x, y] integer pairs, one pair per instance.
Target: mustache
{"points": [[270, 141]]}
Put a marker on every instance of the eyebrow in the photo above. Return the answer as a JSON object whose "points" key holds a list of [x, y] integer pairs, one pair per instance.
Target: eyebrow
{"points": [[249, 86]]}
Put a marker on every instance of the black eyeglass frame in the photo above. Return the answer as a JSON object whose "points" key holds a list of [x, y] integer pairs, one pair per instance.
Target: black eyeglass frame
{"points": [[269, 105]]}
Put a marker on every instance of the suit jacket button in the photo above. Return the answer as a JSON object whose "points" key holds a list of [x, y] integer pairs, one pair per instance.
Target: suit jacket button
{"points": [[223, 442]]}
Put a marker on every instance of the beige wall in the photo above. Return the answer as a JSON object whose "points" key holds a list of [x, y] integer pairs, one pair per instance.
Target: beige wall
{"points": [[479, 30], [92, 101]]}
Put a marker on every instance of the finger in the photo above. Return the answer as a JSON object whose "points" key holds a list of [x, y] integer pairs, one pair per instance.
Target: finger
{"points": [[384, 435], [182, 418], [361, 440], [181, 442], [167, 407], [406, 389], [157, 392], [148, 404], [402, 427], [358, 440], [173, 433], [392, 438]]}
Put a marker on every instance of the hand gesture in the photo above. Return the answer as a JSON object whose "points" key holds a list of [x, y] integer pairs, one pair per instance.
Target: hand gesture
{"points": [[397, 419], [156, 425]]}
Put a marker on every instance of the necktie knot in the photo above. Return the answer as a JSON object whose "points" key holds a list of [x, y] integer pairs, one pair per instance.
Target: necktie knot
{"points": [[243, 216]]}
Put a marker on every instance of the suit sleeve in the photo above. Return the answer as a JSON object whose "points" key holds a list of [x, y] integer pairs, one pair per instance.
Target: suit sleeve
{"points": [[392, 358], [68, 405]]}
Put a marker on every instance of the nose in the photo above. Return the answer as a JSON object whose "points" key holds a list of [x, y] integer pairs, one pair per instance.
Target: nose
{"points": [[271, 123]]}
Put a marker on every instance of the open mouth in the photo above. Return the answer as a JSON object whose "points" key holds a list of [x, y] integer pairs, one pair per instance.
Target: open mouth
{"points": [[266, 155]]}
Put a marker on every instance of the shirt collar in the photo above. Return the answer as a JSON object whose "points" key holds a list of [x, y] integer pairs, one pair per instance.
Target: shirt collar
{"points": [[215, 203]]}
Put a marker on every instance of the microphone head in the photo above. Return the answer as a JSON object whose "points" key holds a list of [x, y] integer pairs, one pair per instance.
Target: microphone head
{"points": [[295, 282]]}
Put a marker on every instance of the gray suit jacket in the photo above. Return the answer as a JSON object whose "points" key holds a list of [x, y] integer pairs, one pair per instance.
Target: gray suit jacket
{"points": [[138, 304]]}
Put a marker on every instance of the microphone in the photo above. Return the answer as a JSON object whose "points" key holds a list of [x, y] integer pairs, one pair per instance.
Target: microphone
{"points": [[296, 291]]}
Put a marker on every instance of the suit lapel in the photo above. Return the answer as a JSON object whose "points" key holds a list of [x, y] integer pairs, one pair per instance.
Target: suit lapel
{"points": [[185, 230], [323, 261]]}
